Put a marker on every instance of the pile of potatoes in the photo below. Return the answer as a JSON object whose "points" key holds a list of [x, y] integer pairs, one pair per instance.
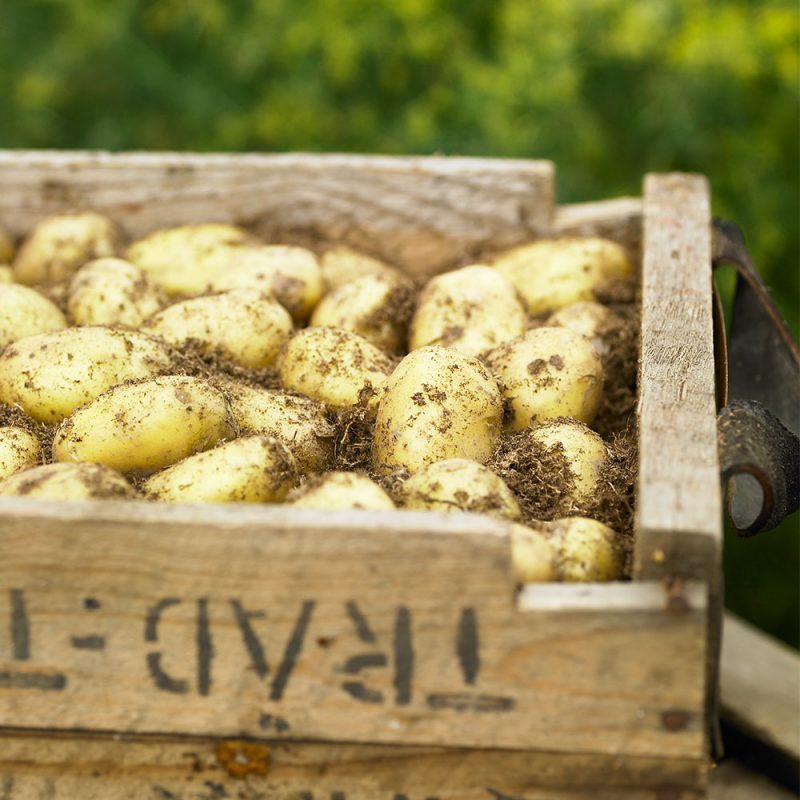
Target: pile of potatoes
{"points": [[442, 373]]}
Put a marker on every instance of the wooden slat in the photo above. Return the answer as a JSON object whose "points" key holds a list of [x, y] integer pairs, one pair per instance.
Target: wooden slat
{"points": [[343, 627], [126, 768], [678, 504], [424, 214], [619, 219], [760, 680]]}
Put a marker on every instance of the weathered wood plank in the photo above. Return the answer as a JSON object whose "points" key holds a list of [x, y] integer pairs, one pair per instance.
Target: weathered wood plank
{"points": [[344, 627], [34, 767], [678, 504], [760, 680], [424, 214], [619, 219]]}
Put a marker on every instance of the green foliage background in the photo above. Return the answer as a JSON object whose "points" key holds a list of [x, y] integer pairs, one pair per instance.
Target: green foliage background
{"points": [[608, 89]]}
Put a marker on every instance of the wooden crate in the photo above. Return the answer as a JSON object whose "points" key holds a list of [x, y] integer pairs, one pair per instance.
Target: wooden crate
{"points": [[243, 652]]}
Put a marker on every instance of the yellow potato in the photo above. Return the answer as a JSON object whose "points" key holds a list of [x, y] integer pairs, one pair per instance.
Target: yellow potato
{"points": [[6, 274], [68, 482], [460, 484], [340, 265], [548, 373], [299, 422], [112, 291], [290, 274], [6, 247], [60, 245], [342, 490], [50, 375], [245, 326], [437, 404], [589, 319], [376, 307], [254, 469], [533, 557], [24, 312], [472, 309], [182, 260], [553, 273], [19, 449], [338, 368], [584, 451], [586, 550], [146, 426]]}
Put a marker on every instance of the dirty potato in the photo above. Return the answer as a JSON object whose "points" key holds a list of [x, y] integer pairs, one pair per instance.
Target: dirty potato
{"points": [[112, 291], [244, 326], [59, 245], [472, 309], [51, 374], [252, 469], [68, 482], [460, 484], [183, 260], [589, 319], [533, 557], [289, 273], [6, 274], [19, 449], [146, 426], [338, 368], [376, 307], [548, 373], [24, 312], [342, 490], [586, 550], [553, 273], [299, 422], [438, 404], [342, 264]]}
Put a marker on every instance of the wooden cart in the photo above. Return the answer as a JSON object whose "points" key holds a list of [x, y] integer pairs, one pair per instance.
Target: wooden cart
{"points": [[253, 652]]}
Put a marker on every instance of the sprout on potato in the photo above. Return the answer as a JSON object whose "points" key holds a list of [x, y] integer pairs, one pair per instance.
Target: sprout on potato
{"points": [[472, 309], [459, 484], [24, 312], [553, 273], [68, 482], [438, 404], [548, 373], [59, 245], [19, 449], [342, 490]]}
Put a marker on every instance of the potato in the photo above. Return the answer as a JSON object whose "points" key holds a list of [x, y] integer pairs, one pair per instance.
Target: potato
{"points": [[533, 557], [553, 273], [6, 247], [51, 374], [245, 326], [182, 260], [584, 451], [376, 307], [146, 426], [548, 373], [472, 309], [299, 422], [586, 550], [460, 484], [589, 319], [24, 312], [6, 274], [338, 368], [342, 490], [290, 274], [19, 449], [340, 265], [68, 482], [112, 291], [438, 404], [58, 246], [254, 469]]}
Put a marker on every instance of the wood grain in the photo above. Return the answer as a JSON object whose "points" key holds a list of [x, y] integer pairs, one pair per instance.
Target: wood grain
{"points": [[34, 767], [401, 629], [678, 505], [423, 214]]}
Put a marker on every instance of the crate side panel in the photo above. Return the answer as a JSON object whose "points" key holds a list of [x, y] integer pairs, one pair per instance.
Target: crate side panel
{"points": [[424, 214], [362, 629]]}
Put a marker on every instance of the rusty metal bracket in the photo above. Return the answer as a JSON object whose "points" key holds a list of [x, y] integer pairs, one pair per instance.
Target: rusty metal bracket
{"points": [[760, 373]]}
